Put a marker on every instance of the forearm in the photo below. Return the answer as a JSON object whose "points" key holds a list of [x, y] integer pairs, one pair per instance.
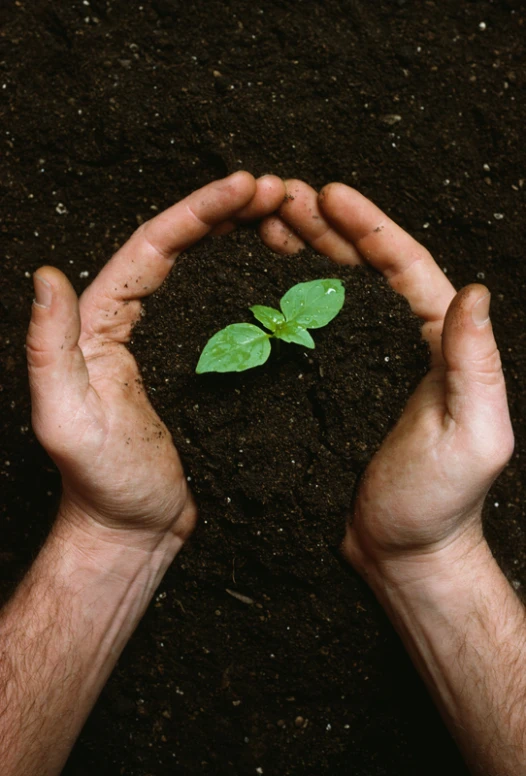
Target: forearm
{"points": [[465, 630], [60, 636]]}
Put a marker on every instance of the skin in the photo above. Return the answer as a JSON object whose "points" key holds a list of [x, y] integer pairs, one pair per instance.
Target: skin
{"points": [[126, 509], [415, 533]]}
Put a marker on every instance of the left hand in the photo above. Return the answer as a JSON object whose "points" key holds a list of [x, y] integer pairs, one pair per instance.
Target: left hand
{"points": [[122, 477], [421, 497]]}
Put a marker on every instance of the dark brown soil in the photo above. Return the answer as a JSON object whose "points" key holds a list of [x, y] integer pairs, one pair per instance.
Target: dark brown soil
{"points": [[111, 111], [274, 453]]}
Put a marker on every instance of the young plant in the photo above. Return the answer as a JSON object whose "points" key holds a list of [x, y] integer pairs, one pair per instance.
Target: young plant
{"points": [[242, 346]]}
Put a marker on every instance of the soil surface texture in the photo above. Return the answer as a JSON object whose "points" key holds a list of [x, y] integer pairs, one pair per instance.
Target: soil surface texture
{"points": [[274, 453], [262, 652]]}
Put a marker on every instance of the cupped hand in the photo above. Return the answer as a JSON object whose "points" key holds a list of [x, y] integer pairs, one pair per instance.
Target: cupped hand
{"points": [[422, 493], [120, 470]]}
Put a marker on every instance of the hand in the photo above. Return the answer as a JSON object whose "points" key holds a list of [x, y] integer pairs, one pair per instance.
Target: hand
{"points": [[122, 477], [422, 493]]}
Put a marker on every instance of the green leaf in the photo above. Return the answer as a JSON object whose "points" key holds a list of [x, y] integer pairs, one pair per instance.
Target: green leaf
{"points": [[293, 332], [238, 347], [268, 316], [315, 303]]}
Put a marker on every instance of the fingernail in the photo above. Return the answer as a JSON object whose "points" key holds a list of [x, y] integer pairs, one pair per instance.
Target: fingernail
{"points": [[480, 312], [43, 291]]}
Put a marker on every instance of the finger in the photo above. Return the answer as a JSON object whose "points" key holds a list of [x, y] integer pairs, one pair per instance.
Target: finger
{"points": [[58, 376], [300, 210], [407, 265], [475, 388], [142, 264], [279, 237], [270, 191]]}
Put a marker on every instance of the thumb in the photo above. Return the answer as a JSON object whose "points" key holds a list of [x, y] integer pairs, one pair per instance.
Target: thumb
{"points": [[475, 387], [58, 376]]}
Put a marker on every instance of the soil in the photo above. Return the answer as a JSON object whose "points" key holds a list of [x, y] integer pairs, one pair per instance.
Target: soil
{"points": [[274, 453], [111, 111]]}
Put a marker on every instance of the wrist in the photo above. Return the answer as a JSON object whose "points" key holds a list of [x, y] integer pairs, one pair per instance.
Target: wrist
{"points": [[400, 560], [126, 548], [93, 554], [445, 589], [441, 582], [106, 585], [435, 565]]}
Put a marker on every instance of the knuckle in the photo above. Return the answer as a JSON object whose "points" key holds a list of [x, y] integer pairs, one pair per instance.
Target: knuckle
{"points": [[487, 368], [37, 348]]}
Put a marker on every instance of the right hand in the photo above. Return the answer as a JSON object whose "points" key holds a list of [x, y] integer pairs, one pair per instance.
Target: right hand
{"points": [[422, 494]]}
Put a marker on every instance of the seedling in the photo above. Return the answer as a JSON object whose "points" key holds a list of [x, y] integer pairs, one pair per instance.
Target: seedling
{"points": [[242, 346]]}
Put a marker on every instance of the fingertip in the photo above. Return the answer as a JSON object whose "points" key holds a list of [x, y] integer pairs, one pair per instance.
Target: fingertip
{"points": [[49, 284], [242, 182], [468, 335], [271, 181], [299, 203], [480, 309], [43, 291], [269, 194], [329, 190], [470, 304], [296, 188], [52, 275], [330, 202], [44, 270], [475, 386], [55, 320], [478, 288], [272, 189], [293, 184]]}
